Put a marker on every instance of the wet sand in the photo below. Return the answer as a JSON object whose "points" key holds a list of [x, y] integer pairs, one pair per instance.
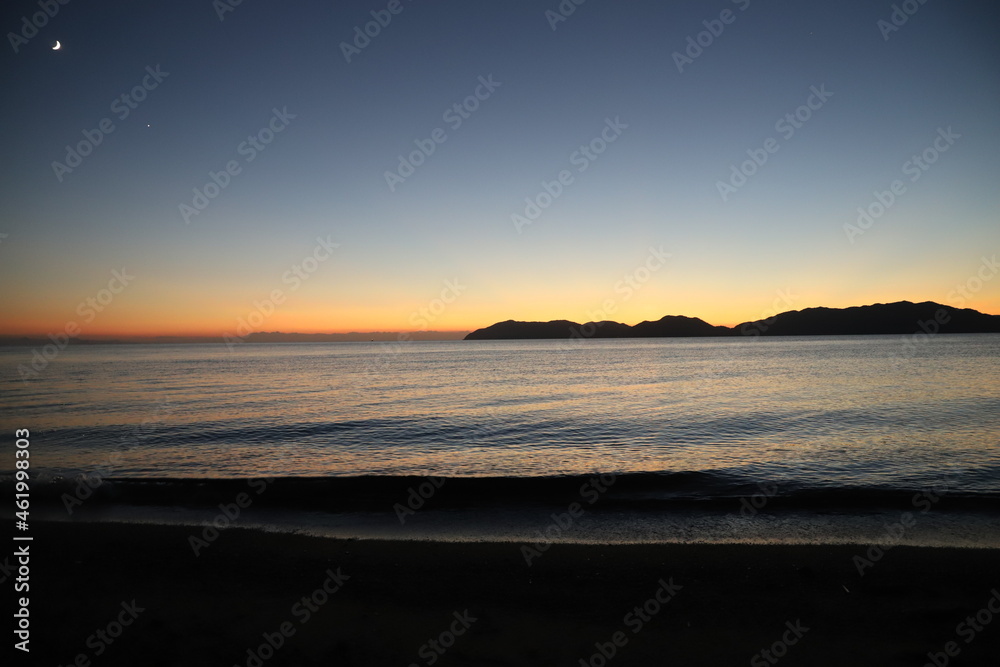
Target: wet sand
{"points": [[383, 603]]}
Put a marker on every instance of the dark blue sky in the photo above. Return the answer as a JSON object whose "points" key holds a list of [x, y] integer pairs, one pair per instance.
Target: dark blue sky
{"points": [[664, 182]]}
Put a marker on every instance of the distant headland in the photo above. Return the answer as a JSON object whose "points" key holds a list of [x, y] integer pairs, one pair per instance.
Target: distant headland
{"points": [[902, 317]]}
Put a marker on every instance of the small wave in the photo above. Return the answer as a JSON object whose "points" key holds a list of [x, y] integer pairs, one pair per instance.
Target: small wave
{"points": [[623, 491]]}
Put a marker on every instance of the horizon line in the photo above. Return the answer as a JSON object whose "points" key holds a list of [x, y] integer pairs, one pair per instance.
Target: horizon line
{"points": [[383, 335]]}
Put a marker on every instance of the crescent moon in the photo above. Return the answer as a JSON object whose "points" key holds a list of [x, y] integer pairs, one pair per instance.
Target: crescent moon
{"points": [[57, 46]]}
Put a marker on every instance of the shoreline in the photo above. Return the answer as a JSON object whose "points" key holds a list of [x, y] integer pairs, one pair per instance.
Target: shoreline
{"points": [[384, 601], [958, 530]]}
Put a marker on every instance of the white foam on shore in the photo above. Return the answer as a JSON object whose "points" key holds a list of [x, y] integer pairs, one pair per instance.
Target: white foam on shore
{"points": [[542, 525]]}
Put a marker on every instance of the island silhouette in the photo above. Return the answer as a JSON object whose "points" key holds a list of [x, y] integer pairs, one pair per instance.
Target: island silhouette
{"points": [[901, 317]]}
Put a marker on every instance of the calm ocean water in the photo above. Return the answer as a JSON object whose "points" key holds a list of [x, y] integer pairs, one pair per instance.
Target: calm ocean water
{"points": [[798, 413]]}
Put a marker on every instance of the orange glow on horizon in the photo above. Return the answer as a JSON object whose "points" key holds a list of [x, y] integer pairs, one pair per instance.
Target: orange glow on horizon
{"points": [[239, 321]]}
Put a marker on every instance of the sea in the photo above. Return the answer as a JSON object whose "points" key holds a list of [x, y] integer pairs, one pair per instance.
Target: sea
{"points": [[830, 439]]}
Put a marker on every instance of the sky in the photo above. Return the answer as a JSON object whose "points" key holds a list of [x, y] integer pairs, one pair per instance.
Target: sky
{"points": [[200, 168]]}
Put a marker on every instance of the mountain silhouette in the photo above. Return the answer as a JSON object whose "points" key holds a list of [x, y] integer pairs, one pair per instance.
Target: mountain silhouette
{"points": [[902, 317]]}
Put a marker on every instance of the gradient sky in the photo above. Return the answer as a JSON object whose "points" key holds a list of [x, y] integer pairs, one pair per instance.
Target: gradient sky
{"points": [[779, 240]]}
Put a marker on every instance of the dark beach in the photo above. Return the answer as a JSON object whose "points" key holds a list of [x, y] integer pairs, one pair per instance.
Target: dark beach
{"points": [[724, 604]]}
